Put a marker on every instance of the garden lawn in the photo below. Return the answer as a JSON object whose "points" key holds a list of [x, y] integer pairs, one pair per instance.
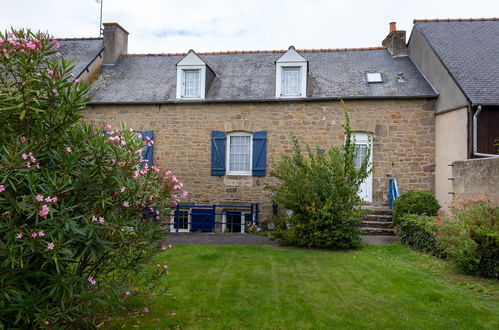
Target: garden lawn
{"points": [[386, 287]]}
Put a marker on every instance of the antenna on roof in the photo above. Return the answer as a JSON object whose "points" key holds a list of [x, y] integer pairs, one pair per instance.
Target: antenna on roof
{"points": [[100, 21]]}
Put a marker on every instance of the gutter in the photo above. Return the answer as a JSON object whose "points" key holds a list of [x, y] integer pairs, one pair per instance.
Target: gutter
{"points": [[307, 99], [475, 136]]}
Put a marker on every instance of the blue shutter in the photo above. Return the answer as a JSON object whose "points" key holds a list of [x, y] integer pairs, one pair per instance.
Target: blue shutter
{"points": [[217, 153], [147, 150], [259, 153]]}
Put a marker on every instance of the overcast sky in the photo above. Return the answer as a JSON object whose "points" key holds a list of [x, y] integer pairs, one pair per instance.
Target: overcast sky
{"points": [[162, 26]]}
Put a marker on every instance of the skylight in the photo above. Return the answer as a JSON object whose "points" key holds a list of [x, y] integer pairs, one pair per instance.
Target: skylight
{"points": [[374, 77]]}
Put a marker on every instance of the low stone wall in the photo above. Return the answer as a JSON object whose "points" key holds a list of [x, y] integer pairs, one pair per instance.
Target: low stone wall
{"points": [[476, 179]]}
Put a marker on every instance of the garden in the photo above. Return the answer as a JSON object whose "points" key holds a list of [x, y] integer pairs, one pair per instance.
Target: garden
{"points": [[82, 246]]}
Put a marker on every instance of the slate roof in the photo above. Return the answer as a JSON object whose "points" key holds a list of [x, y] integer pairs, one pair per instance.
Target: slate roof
{"points": [[250, 76], [81, 51], [469, 49]]}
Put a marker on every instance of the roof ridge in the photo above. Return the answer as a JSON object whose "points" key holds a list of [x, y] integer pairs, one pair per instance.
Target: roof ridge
{"points": [[456, 19], [91, 38], [324, 50]]}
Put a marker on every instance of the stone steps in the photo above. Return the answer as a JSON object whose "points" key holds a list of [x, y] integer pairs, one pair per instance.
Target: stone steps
{"points": [[378, 222]]}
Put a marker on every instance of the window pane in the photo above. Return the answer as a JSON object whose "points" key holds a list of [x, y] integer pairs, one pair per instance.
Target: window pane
{"points": [[191, 81], [360, 154], [291, 81], [239, 153]]}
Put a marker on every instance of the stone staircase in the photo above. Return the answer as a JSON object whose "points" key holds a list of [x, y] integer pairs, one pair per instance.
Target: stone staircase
{"points": [[378, 222]]}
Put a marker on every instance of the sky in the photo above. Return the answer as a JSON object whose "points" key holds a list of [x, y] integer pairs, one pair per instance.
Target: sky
{"points": [[164, 26]]}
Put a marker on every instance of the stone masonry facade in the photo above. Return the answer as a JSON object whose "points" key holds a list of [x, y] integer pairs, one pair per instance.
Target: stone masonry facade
{"points": [[476, 179], [403, 140]]}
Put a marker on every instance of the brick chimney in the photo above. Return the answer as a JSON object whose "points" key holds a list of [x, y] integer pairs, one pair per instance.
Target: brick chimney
{"points": [[395, 41], [115, 42]]}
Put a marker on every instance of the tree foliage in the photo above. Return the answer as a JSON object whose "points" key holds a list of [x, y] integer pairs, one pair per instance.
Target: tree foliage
{"points": [[320, 188]]}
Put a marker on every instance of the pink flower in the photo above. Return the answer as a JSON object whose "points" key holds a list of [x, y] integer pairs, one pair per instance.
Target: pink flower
{"points": [[68, 149], [24, 156], [19, 235], [41, 234], [127, 292], [54, 91], [77, 80], [51, 199], [58, 54], [39, 198], [91, 280], [108, 127], [50, 73], [126, 204], [34, 235], [50, 246], [56, 43], [23, 139], [6, 213], [146, 310], [44, 211], [2, 188], [122, 189]]}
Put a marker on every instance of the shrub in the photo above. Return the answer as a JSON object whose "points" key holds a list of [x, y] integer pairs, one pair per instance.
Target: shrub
{"points": [[320, 188], [470, 236], [417, 231], [415, 202], [73, 232]]}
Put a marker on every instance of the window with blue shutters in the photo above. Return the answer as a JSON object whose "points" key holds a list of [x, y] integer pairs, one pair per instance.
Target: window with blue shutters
{"points": [[147, 150], [238, 153]]}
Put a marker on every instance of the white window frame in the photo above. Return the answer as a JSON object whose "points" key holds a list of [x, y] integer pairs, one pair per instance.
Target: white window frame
{"points": [[181, 69], [290, 68], [302, 78], [243, 219], [189, 221], [184, 90], [227, 154]]}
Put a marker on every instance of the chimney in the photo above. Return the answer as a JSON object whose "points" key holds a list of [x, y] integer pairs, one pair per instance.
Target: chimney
{"points": [[395, 41], [115, 42]]}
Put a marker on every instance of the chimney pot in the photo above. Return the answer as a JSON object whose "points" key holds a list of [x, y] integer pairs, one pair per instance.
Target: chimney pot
{"points": [[393, 26]]}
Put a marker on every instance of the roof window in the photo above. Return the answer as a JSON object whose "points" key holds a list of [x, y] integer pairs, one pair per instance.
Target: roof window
{"points": [[374, 77]]}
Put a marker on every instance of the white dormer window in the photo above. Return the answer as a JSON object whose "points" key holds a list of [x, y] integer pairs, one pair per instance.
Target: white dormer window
{"points": [[191, 83], [290, 81], [193, 77], [291, 75]]}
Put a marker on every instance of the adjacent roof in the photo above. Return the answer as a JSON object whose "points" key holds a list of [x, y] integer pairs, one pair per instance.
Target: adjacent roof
{"points": [[469, 50], [250, 76], [81, 51]]}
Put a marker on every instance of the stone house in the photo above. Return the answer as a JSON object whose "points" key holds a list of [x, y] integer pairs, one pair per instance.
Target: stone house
{"points": [[218, 119]]}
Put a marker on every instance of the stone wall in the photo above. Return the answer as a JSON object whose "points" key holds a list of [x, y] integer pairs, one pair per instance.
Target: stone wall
{"points": [[475, 179], [403, 140]]}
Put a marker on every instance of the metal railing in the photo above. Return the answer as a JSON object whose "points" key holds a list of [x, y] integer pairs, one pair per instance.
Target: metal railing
{"points": [[210, 218], [393, 192]]}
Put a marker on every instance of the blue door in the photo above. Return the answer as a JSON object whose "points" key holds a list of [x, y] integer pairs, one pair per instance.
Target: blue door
{"points": [[203, 220]]}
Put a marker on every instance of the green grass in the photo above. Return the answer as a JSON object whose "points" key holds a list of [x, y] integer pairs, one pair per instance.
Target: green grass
{"points": [[376, 287]]}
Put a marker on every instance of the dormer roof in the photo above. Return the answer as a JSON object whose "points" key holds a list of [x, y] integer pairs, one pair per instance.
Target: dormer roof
{"points": [[191, 59], [291, 56]]}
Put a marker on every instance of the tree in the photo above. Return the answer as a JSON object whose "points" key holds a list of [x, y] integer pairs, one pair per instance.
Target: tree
{"points": [[79, 209], [321, 191]]}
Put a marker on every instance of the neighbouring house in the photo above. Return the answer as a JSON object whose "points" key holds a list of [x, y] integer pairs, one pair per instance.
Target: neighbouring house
{"points": [[219, 118], [460, 58]]}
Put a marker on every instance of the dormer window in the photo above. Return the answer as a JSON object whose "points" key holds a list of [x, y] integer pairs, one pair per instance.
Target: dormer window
{"points": [[291, 75], [290, 81], [194, 77], [191, 83]]}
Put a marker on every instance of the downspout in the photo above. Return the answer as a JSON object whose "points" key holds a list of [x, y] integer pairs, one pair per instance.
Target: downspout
{"points": [[475, 135]]}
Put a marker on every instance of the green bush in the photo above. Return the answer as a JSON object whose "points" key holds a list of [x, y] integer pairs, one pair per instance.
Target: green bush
{"points": [[416, 231], [470, 236], [320, 189], [415, 202], [74, 232]]}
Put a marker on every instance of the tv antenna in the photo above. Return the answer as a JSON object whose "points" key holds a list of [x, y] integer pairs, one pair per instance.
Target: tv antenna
{"points": [[100, 21]]}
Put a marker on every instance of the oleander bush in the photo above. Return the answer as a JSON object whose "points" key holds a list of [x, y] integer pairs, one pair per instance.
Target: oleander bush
{"points": [[320, 188], [79, 209], [470, 236], [415, 202]]}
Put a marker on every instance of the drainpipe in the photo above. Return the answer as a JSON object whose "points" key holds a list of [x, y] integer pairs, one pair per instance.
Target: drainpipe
{"points": [[475, 135]]}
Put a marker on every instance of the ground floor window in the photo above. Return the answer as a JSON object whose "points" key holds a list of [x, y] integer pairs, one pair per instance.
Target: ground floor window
{"points": [[235, 221], [182, 223]]}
